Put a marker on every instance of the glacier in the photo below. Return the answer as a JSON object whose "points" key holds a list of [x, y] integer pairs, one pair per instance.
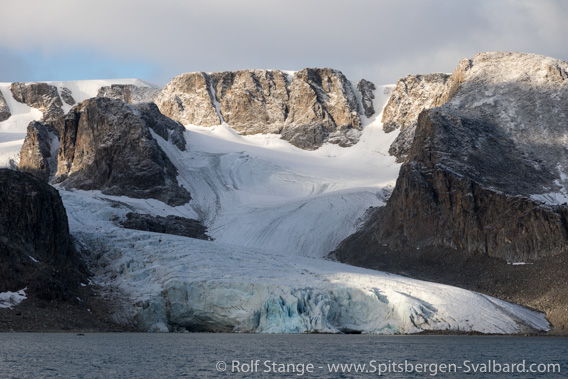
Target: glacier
{"points": [[274, 212]]}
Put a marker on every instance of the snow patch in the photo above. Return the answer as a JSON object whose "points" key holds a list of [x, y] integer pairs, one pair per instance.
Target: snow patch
{"points": [[10, 299]]}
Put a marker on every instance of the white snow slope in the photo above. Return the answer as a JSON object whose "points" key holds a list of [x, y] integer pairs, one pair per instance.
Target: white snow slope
{"points": [[274, 212]]}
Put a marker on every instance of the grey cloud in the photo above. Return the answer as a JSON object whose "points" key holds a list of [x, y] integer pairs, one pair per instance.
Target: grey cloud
{"points": [[364, 38]]}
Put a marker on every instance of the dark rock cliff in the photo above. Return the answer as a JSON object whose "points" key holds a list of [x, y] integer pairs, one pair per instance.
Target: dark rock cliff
{"points": [[36, 250], [106, 145], [310, 108]]}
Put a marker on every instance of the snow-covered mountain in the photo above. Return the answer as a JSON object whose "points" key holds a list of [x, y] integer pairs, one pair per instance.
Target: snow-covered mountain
{"points": [[273, 212], [483, 183]]}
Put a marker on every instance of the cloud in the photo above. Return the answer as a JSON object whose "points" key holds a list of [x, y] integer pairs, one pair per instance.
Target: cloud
{"points": [[364, 38]]}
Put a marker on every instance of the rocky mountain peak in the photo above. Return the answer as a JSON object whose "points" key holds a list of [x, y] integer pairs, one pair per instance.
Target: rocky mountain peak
{"points": [[106, 144], [483, 188], [519, 103], [494, 147]]}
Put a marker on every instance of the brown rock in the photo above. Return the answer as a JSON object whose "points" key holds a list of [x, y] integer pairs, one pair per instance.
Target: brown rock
{"points": [[252, 101], [322, 107], [318, 106], [163, 126], [189, 100], [67, 96]]}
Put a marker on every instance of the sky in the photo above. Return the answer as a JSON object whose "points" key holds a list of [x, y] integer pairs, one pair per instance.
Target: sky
{"points": [[379, 40]]}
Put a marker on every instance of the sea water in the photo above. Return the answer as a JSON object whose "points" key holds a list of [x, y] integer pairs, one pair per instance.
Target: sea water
{"points": [[195, 355]]}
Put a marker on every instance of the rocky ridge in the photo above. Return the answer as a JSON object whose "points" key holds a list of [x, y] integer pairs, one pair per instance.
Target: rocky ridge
{"points": [[129, 93], [105, 144], [310, 108], [366, 89]]}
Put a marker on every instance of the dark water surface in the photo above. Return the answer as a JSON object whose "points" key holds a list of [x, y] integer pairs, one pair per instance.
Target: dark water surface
{"points": [[138, 355]]}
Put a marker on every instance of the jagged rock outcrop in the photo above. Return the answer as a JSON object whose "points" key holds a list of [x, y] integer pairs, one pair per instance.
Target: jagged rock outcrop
{"points": [[412, 95], [129, 93], [67, 96], [106, 145], [38, 155], [367, 89], [42, 96], [477, 163], [176, 225], [36, 250], [5, 112], [313, 107], [165, 127]]}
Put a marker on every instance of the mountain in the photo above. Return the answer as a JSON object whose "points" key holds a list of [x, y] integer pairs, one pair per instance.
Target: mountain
{"points": [[271, 172], [307, 108], [483, 183]]}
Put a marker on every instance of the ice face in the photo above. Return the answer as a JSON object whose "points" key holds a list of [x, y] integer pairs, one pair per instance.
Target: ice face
{"points": [[180, 284]]}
